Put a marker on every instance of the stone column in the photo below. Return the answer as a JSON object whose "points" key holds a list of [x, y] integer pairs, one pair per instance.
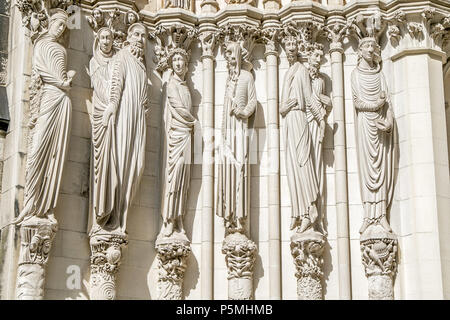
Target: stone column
{"points": [[336, 32], [36, 241], [106, 252], [208, 41], [270, 33], [307, 251]]}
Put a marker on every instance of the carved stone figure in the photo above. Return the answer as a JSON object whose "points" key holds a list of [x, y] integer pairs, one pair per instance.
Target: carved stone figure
{"points": [[233, 181], [316, 114], [375, 135], [295, 101], [233, 190], [374, 127], [184, 4], [51, 111], [118, 138], [179, 127], [97, 20]]}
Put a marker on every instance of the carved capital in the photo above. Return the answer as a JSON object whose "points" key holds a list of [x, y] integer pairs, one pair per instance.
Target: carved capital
{"points": [[240, 255], [305, 34], [244, 34], [170, 40], [307, 251], [364, 27], [106, 252], [36, 241], [379, 258], [335, 33], [208, 40], [172, 262], [270, 38]]}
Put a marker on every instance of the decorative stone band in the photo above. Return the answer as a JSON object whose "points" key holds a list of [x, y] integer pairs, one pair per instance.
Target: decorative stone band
{"points": [[36, 241], [240, 255], [106, 252], [172, 262], [379, 258], [307, 251]]}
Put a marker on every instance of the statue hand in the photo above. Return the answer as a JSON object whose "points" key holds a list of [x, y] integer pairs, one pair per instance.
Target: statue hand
{"points": [[381, 100], [383, 125], [110, 111]]}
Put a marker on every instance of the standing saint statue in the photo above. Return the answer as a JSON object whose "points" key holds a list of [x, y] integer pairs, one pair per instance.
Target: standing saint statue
{"points": [[316, 114], [126, 110], [51, 111], [233, 187], [105, 179], [295, 101], [374, 128], [179, 124]]}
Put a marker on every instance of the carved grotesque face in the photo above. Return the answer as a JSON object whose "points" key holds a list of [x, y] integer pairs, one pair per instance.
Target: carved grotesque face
{"points": [[367, 51], [131, 18], [315, 58], [106, 40], [179, 65], [291, 49], [97, 15], [137, 35], [57, 28]]}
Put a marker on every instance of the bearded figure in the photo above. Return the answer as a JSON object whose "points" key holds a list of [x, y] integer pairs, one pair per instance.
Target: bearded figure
{"points": [[233, 188], [296, 100], [179, 124], [375, 135], [126, 113]]}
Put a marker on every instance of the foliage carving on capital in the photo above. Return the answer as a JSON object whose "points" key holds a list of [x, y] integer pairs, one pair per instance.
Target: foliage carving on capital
{"points": [[208, 41], [363, 27], [244, 34], [270, 37], [169, 40], [305, 34], [36, 14], [335, 33]]}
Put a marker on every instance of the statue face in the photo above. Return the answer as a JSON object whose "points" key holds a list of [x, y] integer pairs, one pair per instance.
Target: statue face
{"points": [[291, 49], [179, 65], [230, 55], [106, 41], [57, 28], [131, 18], [315, 58], [137, 36], [367, 51], [97, 14]]}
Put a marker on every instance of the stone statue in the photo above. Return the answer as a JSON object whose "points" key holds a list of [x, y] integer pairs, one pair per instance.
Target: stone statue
{"points": [[105, 178], [50, 119], [374, 127], [118, 139], [179, 127], [96, 20], [126, 109], [51, 111], [316, 114], [184, 4], [295, 103], [233, 189]]}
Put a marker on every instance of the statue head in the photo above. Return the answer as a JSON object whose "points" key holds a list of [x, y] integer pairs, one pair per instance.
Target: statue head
{"points": [[137, 36], [131, 17], [233, 55], [57, 23], [178, 60], [98, 15], [315, 57], [369, 51], [291, 47], [105, 39]]}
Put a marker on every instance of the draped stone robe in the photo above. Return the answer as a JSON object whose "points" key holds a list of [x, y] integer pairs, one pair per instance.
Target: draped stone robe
{"points": [[50, 135], [375, 148], [129, 96], [300, 170], [179, 151], [233, 189], [104, 162]]}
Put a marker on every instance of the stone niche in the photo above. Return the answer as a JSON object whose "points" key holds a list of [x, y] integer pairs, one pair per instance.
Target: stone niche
{"points": [[269, 259]]}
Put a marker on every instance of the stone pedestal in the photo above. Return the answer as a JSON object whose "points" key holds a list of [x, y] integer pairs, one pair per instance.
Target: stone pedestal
{"points": [[172, 255], [307, 249], [379, 257], [106, 252], [36, 241], [240, 255]]}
